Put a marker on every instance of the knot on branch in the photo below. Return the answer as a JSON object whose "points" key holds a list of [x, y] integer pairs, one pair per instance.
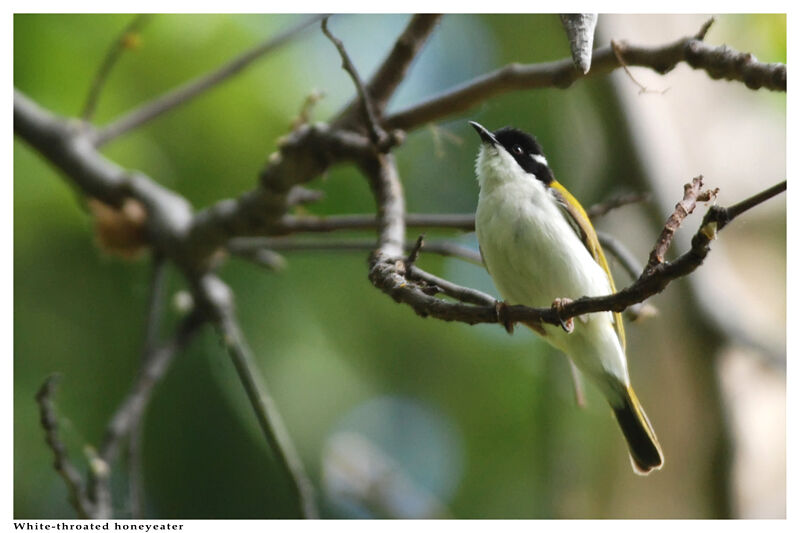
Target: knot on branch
{"points": [[214, 296], [302, 155], [387, 274], [717, 215], [391, 139], [120, 231]]}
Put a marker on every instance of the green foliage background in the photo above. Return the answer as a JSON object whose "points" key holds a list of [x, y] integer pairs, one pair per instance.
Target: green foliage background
{"points": [[496, 432]]}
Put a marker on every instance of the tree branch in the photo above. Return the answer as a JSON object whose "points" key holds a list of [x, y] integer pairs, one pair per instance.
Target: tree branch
{"points": [[62, 464], [692, 193], [196, 87], [376, 133], [217, 299], [394, 68], [67, 147], [388, 191], [304, 155], [599, 209], [719, 62], [153, 371], [248, 247], [621, 253], [387, 273], [434, 284], [155, 312], [129, 414], [261, 256], [632, 267], [312, 224], [737, 209], [124, 41]]}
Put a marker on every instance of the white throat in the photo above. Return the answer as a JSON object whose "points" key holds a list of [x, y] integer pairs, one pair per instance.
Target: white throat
{"points": [[495, 168]]}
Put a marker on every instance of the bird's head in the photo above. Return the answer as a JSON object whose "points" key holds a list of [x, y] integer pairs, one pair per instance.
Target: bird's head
{"points": [[510, 154]]}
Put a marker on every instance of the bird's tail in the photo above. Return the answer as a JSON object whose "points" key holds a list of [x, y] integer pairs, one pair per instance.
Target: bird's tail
{"points": [[643, 445]]}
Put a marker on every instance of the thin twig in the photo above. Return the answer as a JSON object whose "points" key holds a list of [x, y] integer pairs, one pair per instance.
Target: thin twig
{"points": [[155, 312], [602, 208], [374, 129], [434, 284], [313, 224], [154, 369], [128, 414], [626, 259], [247, 247], [394, 68], [217, 298], [262, 256], [96, 500], [703, 31], [196, 87], [268, 416], [737, 209], [135, 471], [692, 193], [414, 251], [632, 267], [304, 116], [643, 89], [124, 41], [155, 305], [72, 478]]}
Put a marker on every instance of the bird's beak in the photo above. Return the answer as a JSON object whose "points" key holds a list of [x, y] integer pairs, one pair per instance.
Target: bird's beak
{"points": [[486, 135]]}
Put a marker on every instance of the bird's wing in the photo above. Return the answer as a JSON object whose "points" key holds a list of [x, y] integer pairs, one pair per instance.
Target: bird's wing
{"points": [[579, 221]]}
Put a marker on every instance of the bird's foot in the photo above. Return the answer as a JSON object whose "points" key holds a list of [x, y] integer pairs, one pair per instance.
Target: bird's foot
{"points": [[567, 325], [501, 308]]}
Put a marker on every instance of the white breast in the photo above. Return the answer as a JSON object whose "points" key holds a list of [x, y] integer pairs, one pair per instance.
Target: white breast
{"points": [[530, 249]]}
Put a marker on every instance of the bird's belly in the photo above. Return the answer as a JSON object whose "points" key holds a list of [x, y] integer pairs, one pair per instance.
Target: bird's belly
{"points": [[534, 256]]}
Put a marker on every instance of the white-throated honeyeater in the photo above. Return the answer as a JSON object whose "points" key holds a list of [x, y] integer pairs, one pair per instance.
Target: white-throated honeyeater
{"points": [[540, 247]]}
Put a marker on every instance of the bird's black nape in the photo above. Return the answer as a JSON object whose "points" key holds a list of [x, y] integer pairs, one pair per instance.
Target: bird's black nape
{"points": [[523, 147]]}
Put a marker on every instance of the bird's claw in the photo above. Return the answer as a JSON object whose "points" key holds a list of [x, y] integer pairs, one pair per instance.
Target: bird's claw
{"points": [[502, 316], [567, 325]]}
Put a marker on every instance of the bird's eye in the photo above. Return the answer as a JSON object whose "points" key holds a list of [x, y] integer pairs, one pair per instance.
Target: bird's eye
{"points": [[516, 149]]}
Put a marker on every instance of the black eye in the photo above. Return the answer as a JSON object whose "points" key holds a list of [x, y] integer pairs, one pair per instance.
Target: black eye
{"points": [[516, 149]]}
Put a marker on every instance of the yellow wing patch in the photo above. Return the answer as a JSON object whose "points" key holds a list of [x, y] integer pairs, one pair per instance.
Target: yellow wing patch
{"points": [[580, 220]]}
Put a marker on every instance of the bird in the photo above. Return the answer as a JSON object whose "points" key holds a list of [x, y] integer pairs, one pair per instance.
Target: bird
{"points": [[541, 249]]}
